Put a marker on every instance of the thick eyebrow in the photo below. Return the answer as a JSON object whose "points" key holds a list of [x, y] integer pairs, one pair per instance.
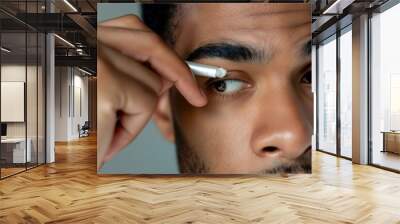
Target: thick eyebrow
{"points": [[230, 51]]}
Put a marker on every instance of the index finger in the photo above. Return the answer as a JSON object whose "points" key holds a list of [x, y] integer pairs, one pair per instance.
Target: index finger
{"points": [[145, 46]]}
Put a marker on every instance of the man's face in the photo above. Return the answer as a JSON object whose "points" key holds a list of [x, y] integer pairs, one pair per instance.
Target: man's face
{"points": [[259, 117]]}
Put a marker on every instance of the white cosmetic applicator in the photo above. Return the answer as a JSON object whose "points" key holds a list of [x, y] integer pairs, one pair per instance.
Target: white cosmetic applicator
{"points": [[206, 70]]}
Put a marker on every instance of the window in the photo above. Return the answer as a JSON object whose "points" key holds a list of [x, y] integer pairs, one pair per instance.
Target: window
{"points": [[327, 95], [385, 88], [346, 92]]}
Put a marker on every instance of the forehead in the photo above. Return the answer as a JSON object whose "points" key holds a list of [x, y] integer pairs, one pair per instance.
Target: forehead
{"points": [[251, 23]]}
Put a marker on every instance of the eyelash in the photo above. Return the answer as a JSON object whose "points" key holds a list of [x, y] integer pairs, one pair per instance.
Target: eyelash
{"points": [[211, 82]]}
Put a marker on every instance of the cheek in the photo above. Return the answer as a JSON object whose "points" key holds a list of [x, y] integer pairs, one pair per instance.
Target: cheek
{"points": [[308, 102], [311, 110], [217, 132]]}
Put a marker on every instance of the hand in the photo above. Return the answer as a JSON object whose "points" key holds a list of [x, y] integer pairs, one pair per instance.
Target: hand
{"points": [[135, 67]]}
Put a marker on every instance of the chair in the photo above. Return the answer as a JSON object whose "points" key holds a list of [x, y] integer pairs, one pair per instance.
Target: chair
{"points": [[84, 130]]}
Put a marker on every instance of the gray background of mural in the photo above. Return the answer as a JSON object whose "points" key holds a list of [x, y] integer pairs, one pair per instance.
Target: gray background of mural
{"points": [[149, 153]]}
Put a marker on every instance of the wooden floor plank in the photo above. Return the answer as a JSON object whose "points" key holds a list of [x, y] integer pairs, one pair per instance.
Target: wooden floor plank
{"points": [[70, 191]]}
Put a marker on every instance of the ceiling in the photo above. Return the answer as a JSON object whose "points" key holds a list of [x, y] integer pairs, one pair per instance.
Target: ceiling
{"points": [[332, 15], [72, 20]]}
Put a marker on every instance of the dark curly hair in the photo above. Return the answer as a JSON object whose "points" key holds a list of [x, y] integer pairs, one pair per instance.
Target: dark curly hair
{"points": [[161, 19]]}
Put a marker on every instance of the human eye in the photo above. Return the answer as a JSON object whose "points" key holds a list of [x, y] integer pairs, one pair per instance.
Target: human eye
{"points": [[306, 78], [227, 87]]}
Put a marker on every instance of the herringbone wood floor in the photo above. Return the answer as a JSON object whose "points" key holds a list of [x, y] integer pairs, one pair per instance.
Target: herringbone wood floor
{"points": [[69, 191]]}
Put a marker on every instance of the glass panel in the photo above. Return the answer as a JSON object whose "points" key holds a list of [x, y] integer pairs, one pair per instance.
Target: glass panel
{"points": [[385, 84], [13, 90], [346, 93], [41, 98], [31, 98], [22, 88], [327, 96], [31, 87]]}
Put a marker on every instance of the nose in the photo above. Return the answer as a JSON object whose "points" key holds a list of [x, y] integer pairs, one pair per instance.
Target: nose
{"points": [[286, 127]]}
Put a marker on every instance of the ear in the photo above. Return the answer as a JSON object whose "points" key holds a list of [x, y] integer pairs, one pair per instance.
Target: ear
{"points": [[162, 116]]}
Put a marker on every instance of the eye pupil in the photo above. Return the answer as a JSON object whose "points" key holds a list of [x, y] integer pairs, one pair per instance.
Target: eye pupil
{"points": [[220, 86]]}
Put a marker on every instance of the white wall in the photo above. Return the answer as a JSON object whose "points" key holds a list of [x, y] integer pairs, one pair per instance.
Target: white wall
{"points": [[61, 103], [69, 82], [79, 117]]}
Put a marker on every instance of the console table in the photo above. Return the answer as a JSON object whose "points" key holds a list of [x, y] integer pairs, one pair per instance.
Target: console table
{"points": [[391, 141]]}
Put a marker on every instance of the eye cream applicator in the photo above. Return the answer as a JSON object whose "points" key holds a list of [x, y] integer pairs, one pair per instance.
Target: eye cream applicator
{"points": [[206, 70]]}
